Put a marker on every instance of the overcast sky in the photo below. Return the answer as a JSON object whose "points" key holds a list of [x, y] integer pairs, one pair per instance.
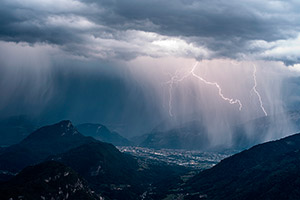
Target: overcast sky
{"points": [[45, 45], [120, 29]]}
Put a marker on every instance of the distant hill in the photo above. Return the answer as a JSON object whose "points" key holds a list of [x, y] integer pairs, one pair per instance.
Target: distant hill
{"points": [[40, 144], [102, 133], [265, 128], [48, 180], [191, 135], [14, 129], [266, 171]]}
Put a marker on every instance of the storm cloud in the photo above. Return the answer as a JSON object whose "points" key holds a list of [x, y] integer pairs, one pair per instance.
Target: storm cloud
{"points": [[127, 29]]}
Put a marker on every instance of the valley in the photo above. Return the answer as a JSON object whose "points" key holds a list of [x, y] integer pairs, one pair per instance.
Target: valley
{"points": [[194, 159]]}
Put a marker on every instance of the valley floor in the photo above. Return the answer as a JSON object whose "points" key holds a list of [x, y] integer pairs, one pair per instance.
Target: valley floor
{"points": [[188, 158]]}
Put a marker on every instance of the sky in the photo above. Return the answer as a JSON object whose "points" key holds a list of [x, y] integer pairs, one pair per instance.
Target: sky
{"points": [[128, 64]]}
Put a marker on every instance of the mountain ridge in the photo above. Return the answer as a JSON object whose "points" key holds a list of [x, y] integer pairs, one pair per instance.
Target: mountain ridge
{"points": [[102, 133], [40, 144], [260, 172]]}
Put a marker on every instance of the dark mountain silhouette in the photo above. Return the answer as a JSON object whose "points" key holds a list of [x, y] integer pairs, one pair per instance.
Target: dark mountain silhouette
{"points": [[117, 175], [40, 144], [266, 171], [48, 180], [102, 133]]}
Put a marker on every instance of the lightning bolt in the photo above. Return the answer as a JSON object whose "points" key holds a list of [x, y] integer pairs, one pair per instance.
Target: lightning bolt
{"points": [[256, 92], [176, 79], [171, 82]]}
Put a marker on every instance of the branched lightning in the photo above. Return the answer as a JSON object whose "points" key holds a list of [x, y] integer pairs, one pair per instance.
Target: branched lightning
{"points": [[256, 92], [176, 79]]}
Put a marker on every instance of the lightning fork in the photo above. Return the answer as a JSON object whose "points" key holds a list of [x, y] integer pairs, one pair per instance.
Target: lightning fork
{"points": [[176, 79], [256, 92]]}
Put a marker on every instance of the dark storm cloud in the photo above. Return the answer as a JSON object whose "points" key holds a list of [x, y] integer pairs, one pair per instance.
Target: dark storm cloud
{"points": [[225, 27], [100, 28], [217, 19]]}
